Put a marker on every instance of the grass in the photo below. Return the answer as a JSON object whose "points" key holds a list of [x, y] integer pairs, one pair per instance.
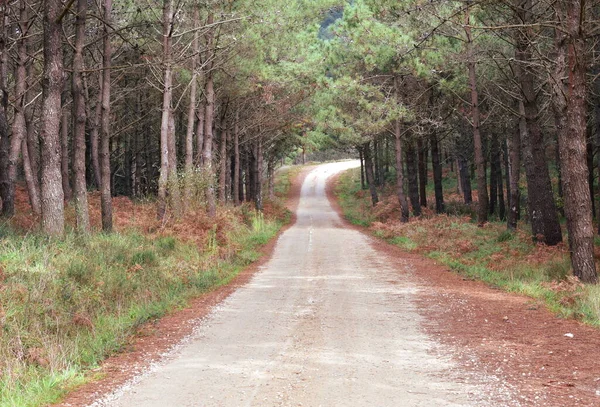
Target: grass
{"points": [[507, 260], [66, 304]]}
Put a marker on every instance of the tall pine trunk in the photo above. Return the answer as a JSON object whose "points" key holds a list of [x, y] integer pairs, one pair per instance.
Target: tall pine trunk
{"points": [[542, 207], [369, 174], [208, 122], [64, 155], [223, 163], [572, 140], [482, 194], [437, 173], [422, 154], [19, 126], [404, 211], [79, 120], [413, 182], [236, 161], [105, 173], [52, 196], [514, 173], [189, 137]]}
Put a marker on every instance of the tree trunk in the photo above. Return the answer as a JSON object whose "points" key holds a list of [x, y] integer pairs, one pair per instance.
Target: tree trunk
{"points": [[514, 163], [590, 166], [79, 120], [94, 124], [422, 154], [223, 164], [495, 174], [413, 182], [19, 126], [173, 187], [208, 123], [259, 174], [64, 155], [271, 176], [189, 137], [250, 175], [236, 161], [5, 192], [404, 212], [542, 207], [200, 113], [52, 196], [362, 169], [105, 190], [376, 162], [437, 173], [167, 182], [242, 179], [370, 176], [482, 195], [572, 142], [596, 101], [465, 180]]}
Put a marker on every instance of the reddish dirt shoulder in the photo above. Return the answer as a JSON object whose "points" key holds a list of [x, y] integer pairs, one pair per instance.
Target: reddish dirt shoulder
{"points": [[503, 335], [157, 337]]}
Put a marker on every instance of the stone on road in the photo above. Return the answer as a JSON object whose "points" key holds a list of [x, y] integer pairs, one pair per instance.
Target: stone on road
{"points": [[328, 322]]}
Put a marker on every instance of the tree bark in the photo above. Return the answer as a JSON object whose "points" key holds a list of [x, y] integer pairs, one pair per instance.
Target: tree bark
{"points": [[362, 169], [572, 143], [514, 166], [105, 173], [596, 102], [189, 137], [404, 212], [64, 155], [413, 182], [482, 194], [236, 160], [208, 122], [52, 196], [422, 155], [259, 175], [495, 175], [174, 192], [223, 164], [94, 124], [465, 180], [19, 126], [79, 120], [200, 113], [437, 173], [167, 182], [5, 192], [370, 176], [542, 207]]}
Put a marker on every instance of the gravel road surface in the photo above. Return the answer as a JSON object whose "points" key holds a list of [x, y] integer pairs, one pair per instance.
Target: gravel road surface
{"points": [[327, 322]]}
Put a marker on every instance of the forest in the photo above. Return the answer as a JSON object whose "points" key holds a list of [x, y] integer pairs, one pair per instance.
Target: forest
{"points": [[200, 100], [190, 107]]}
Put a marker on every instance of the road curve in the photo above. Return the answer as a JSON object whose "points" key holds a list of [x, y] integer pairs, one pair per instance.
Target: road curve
{"points": [[327, 322]]}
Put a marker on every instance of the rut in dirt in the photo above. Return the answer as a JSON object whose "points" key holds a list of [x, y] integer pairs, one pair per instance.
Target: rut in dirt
{"points": [[327, 322]]}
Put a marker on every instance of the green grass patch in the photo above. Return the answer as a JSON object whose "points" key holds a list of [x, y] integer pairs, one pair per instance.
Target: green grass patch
{"points": [[68, 303], [357, 211]]}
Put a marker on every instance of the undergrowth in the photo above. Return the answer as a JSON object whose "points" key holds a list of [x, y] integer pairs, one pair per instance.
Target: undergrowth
{"points": [[510, 261], [66, 304]]}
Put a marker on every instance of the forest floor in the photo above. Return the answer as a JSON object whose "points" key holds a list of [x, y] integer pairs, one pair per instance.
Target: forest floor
{"points": [[544, 359]]}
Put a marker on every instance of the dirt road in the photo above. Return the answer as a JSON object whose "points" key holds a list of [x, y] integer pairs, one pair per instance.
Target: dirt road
{"points": [[327, 322]]}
